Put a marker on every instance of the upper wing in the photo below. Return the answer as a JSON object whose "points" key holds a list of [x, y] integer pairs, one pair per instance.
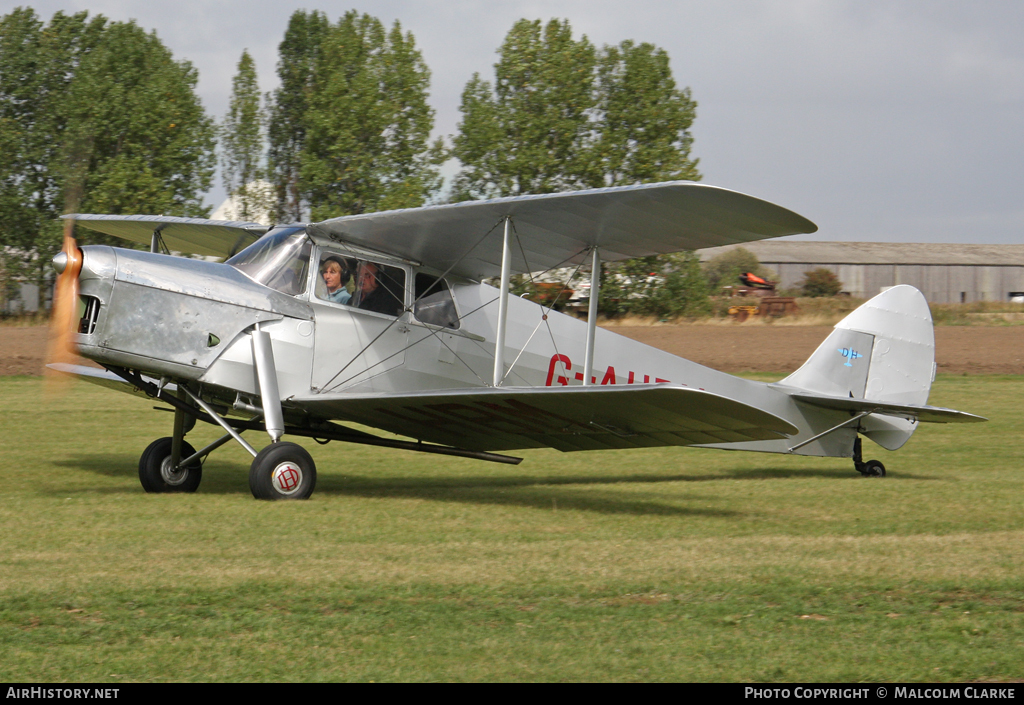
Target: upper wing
{"points": [[190, 236], [557, 229], [566, 418], [932, 414]]}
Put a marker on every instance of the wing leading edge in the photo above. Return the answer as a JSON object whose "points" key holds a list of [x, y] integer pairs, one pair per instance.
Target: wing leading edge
{"points": [[564, 418], [558, 229]]}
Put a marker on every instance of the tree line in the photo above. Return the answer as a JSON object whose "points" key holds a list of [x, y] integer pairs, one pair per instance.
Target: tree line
{"points": [[98, 116]]}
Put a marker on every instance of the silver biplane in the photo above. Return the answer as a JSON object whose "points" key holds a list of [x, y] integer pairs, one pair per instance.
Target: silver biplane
{"points": [[383, 320]]}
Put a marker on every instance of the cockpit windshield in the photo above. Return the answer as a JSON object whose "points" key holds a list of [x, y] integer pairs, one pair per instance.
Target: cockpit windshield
{"points": [[279, 259]]}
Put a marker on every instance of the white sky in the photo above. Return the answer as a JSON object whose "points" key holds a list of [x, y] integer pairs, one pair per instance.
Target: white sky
{"points": [[878, 120]]}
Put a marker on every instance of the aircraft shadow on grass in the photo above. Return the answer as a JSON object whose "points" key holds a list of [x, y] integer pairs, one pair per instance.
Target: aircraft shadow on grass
{"points": [[539, 491]]}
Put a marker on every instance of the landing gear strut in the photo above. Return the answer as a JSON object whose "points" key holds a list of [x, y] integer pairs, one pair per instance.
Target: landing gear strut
{"points": [[872, 468]]}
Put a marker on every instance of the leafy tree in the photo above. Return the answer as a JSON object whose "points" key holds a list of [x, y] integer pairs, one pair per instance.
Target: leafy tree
{"points": [[368, 123], [102, 119], [528, 133], [643, 121], [298, 55], [562, 115], [725, 269], [820, 282], [37, 66], [683, 291], [667, 286], [149, 145], [241, 140]]}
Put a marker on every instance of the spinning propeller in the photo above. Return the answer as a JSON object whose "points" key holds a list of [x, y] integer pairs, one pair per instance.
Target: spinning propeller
{"points": [[68, 264]]}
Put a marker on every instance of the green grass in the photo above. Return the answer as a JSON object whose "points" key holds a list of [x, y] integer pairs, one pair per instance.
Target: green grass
{"points": [[663, 564]]}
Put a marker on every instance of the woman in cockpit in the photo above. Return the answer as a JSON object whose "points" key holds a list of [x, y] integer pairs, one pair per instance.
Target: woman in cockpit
{"points": [[336, 276]]}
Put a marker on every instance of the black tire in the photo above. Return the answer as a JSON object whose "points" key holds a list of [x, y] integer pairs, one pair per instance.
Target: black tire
{"points": [[155, 472], [282, 471], [874, 468]]}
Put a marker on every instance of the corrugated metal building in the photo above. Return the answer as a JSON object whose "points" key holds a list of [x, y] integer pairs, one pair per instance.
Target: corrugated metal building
{"points": [[946, 273]]}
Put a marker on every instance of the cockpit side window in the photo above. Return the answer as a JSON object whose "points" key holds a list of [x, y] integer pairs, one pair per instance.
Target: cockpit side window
{"points": [[434, 302], [361, 283], [379, 288], [279, 259]]}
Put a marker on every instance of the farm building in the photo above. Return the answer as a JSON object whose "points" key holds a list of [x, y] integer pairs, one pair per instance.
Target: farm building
{"points": [[946, 273]]}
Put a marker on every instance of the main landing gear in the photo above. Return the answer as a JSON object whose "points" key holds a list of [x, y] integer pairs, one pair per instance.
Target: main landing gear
{"points": [[280, 471], [872, 468]]}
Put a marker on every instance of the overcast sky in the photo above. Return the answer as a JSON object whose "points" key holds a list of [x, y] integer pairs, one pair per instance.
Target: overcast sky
{"points": [[898, 121]]}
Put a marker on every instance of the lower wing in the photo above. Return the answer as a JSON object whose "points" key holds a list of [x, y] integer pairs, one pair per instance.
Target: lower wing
{"points": [[565, 418]]}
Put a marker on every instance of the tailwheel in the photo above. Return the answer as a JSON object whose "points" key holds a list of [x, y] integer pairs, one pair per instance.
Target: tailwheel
{"points": [[157, 474], [873, 468], [282, 471]]}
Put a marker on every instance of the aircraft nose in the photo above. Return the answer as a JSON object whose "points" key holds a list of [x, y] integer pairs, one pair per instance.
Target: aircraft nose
{"points": [[60, 262]]}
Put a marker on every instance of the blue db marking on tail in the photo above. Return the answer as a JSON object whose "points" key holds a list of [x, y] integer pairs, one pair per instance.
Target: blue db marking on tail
{"points": [[850, 354]]}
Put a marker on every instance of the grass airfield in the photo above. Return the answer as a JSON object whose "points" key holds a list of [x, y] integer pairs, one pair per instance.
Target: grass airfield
{"points": [[663, 564]]}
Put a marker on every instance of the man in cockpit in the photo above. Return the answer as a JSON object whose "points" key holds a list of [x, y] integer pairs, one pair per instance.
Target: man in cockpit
{"points": [[373, 291]]}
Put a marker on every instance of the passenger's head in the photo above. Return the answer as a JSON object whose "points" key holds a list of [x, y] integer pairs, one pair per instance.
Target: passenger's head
{"points": [[367, 277]]}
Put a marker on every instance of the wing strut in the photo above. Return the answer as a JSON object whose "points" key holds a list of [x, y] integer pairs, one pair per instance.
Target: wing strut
{"points": [[595, 292], [506, 271]]}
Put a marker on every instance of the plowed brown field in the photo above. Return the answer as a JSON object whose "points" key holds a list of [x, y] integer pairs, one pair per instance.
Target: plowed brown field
{"points": [[730, 348]]}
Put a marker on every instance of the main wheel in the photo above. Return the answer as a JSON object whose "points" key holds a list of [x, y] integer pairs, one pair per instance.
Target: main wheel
{"points": [[157, 475], [874, 468], [282, 471]]}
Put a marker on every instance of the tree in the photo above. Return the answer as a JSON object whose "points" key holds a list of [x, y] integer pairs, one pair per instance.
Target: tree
{"points": [[368, 123], [643, 132], [37, 66], [102, 119], [296, 68], [667, 286], [820, 282], [725, 269], [528, 133], [562, 115], [241, 141], [146, 141]]}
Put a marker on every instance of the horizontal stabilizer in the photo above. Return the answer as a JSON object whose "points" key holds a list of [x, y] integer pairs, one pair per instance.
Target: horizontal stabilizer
{"points": [[565, 418], [189, 236], [930, 414]]}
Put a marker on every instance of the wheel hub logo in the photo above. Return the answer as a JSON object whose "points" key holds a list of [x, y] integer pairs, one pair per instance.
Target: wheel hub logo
{"points": [[288, 478]]}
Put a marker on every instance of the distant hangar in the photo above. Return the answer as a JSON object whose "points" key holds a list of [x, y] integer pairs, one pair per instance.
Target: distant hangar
{"points": [[946, 273]]}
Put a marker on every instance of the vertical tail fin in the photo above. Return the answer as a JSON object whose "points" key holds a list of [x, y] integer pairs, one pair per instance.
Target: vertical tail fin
{"points": [[883, 351]]}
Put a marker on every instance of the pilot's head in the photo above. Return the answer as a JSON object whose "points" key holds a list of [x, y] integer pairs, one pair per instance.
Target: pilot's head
{"points": [[334, 272]]}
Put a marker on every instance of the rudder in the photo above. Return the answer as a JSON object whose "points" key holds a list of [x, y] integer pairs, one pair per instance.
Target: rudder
{"points": [[883, 351]]}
